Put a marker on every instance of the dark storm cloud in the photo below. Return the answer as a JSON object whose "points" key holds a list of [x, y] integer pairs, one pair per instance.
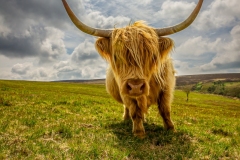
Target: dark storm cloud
{"points": [[228, 65], [221, 66], [20, 13], [44, 42], [13, 45], [26, 24]]}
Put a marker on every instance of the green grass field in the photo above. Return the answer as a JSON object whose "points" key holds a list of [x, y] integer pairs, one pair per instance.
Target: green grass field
{"points": [[50, 120]]}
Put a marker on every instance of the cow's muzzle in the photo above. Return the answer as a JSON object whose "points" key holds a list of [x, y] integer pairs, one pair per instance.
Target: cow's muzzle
{"points": [[135, 87]]}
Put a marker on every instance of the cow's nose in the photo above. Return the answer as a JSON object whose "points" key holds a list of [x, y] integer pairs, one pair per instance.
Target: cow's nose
{"points": [[135, 87]]}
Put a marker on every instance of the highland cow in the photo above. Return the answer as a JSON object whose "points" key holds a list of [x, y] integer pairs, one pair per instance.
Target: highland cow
{"points": [[140, 69]]}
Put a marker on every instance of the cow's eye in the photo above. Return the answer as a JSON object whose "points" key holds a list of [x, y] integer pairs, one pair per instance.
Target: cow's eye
{"points": [[154, 58], [115, 58]]}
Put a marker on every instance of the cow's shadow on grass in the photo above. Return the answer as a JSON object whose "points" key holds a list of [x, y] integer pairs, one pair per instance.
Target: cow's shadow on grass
{"points": [[158, 143]]}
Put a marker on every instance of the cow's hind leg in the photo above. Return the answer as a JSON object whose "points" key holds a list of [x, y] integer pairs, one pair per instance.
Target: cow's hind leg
{"points": [[164, 106]]}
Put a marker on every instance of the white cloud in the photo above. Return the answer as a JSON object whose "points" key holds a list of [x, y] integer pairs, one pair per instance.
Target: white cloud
{"points": [[228, 56], [41, 73], [173, 11], [96, 19], [30, 72], [52, 46], [144, 2], [61, 64], [182, 67], [197, 46], [84, 51], [4, 29], [86, 59], [21, 69], [220, 13]]}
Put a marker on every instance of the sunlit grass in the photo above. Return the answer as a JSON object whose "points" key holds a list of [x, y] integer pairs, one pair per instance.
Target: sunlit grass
{"points": [[46, 120]]}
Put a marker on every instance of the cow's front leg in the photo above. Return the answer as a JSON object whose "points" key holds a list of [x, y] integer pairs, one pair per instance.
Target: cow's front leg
{"points": [[137, 118], [137, 109], [126, 115], [164, 106]]}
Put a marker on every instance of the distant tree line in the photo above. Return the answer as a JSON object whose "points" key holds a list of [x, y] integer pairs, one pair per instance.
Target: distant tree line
{"points": [[218, 87]]}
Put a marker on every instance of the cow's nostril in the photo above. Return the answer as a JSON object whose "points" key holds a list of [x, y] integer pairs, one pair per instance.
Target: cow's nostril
{"points": [[142, 87], [129, 87]]}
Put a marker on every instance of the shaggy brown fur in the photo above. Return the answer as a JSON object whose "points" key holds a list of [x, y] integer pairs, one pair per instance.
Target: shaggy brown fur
{"points": [[137, 55]]}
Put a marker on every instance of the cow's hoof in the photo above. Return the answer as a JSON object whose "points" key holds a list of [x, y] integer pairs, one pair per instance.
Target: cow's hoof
{"points": [[169, 126], [171, 129], [139, 134], [126, 118]]}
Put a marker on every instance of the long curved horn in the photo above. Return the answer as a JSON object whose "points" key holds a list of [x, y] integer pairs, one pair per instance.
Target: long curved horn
{"points": [[180, 26], [83, 27]]}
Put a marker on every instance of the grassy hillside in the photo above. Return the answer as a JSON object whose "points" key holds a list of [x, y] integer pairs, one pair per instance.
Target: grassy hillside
{"points": [[225, 88], [47, 120]]}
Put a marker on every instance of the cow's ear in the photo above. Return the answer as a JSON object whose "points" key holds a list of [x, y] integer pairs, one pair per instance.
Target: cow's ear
{"points": [[166, 45], [103, 47]]}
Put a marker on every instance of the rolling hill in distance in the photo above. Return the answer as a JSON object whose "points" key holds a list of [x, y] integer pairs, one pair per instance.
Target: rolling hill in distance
{"points": [[180, 80], [226, 84]]}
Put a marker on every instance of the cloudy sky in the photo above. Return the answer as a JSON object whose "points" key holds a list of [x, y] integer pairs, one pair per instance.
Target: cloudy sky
{"points": [[39, 42]]}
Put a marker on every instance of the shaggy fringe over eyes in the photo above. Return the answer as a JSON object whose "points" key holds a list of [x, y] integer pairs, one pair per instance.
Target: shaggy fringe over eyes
{"points": [[166, 45], [103, 47], [135, 44]]}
